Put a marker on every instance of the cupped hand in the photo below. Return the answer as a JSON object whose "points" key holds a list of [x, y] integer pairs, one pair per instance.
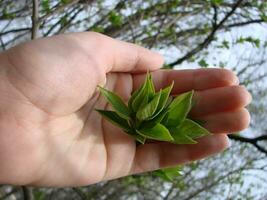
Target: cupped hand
{"points": [[50, 134]]}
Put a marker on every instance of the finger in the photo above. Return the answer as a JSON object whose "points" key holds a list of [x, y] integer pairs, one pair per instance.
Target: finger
{"points": [[219, 100], [193, 79], [118, 56], [153, 156], [227, 122]]}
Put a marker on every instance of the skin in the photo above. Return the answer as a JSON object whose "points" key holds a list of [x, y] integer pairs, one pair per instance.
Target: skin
{"points": [[50, 134]]}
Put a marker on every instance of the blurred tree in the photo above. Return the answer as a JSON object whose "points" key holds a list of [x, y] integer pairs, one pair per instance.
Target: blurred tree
{"points": [[187, 32]]}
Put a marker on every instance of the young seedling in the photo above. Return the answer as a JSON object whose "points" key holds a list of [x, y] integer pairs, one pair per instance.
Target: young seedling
{"points": [[155, 115]]}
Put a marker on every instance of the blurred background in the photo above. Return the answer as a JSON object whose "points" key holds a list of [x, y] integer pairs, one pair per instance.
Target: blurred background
{"points": [[190, 34]]}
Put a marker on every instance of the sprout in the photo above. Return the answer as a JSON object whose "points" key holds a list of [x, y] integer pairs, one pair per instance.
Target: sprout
{"points": [[155, 116]]}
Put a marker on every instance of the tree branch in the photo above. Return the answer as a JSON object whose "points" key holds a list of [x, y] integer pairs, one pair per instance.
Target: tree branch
{"points": [[253, 141], [3, 46], [209, 38], [80, 193], [252, 21], [56, 24], [9, 194], [69, 23], [58, 9], [35, 19], [215, 182], [27, 193], [14, 39], [14, 31], [215, 16]]}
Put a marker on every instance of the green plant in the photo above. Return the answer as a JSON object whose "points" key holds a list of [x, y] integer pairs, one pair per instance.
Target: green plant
{"points": [[155, 116]]}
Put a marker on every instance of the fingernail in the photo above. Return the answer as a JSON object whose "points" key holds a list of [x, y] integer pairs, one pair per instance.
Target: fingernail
{"points": [[229, 143], [236, 80], [250, 98]]}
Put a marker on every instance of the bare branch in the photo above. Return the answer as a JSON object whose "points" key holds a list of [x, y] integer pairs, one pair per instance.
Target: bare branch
{"points": [[253, 141], [58, 9], [69, 23], [215, 15], [56, 24], [27, 193], [209, 38], [252, 21], [10, 195], [35, 19], [14, 31], [80, 193], [16, 38], [216, 181], [3, 46]]}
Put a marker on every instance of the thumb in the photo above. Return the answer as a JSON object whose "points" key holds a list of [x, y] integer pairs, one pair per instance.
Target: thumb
{"points": [[118, 56]]}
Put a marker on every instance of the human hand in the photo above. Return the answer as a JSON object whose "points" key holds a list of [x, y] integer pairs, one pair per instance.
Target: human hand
{"points": [[50, 134]]}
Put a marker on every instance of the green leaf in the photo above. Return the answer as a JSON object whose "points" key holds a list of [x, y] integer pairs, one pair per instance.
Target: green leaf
{"points": [[155, 120], [170, 173], [63, 20], [114, 118], [142, 95], [263, 17], [225, 43], [134, 96], [179, 109], [192, 129], [115, 19], [180, 137], [158, 132], [45, 5], [163, 99], [199, 122], [151, 88], [39, 195], [141, 139], [64, 2], [148, 110], [98, 29], [203, 63], [116, 102], [217, 2], [168, 101], [162, 175], [253, 41]]}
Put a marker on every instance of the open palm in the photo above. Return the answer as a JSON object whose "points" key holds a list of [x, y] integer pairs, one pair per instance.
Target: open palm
{"points": [[50, 134]]}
